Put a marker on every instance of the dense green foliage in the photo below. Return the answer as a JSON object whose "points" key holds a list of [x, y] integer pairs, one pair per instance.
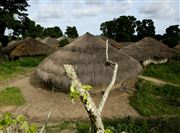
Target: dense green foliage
{"points": [[158, 125], [120, 29], [172, 36], [11, 96], [16, 125], [71, 32], [63, 42], [124, 28], [11, 68], [8, 8], [145, 28], [30, 29], [153, 100], [169, 71], [54, 32]]}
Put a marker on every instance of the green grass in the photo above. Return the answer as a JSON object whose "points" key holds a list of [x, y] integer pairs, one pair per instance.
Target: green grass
{"points": [[169, 72], [141, 125], [11, 96], [9, 69], [152, 100]]}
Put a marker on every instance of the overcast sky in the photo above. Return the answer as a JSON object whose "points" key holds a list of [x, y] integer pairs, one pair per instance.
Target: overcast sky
{"points": [[87, 15]]}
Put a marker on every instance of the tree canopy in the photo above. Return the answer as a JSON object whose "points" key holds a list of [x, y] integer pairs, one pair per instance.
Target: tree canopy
{"points": [[145, 28], [12, 12], [120, 29], [71, 32], [54, 32], [172, 36]]}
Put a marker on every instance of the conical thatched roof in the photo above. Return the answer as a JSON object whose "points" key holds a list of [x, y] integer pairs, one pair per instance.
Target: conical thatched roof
{"points": [[38, 38], [87, 54], [124, 44], [50, 41], [27, 47], [148, 48], [112, 42], [12, 42], [60, 38]]}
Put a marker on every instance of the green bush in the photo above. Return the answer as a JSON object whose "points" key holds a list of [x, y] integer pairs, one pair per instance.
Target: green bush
{"points": [[16, 125], [129, 125], [63, 42]]}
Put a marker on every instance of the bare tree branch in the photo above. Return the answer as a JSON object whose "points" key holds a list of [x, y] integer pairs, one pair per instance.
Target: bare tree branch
{"points": [[89, 104], [45, 124], [107, 91], [93, 112]]}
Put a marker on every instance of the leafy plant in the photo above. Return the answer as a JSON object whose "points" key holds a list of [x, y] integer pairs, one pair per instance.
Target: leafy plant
{"points": [[18, 124]]}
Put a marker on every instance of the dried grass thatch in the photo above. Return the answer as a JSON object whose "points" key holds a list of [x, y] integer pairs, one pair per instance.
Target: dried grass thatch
{"points": [[112, 42], [38, 38], [50, 41], [148, 48], [60, 38], [87, 54], [27, 47], [12, 42]]}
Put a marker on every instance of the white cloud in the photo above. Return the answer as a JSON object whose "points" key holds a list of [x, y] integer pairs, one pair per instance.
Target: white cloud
{"points": [[161, 9], [95, 8], [50, 11]]}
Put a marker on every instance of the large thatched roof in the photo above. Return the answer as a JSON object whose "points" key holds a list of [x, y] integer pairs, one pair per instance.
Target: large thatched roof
{"points": [[148, 48], [27, 47], [87, 54], [50, 41], [112, 42]]}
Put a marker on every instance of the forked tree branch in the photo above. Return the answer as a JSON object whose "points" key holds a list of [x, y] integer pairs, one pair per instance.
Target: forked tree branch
{"points": [[93, 112]]}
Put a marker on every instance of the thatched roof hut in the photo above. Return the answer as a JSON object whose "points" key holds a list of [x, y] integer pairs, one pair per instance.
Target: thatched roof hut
{"points": [[12, 42], [60, 38], [27, 47], [87, 54], [148, 48], [38, 38], [51, 42], [112, 42], [124, 44]]}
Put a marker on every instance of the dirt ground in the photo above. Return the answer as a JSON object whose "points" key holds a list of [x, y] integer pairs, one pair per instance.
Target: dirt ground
{"points": [[39, 102]]}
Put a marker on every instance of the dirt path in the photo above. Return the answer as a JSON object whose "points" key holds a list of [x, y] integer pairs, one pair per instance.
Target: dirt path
{"points": [[41, 101], [156, 81]]}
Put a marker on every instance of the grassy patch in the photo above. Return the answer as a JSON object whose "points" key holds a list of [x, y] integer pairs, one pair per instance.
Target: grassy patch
{"points": [[158, 125], [11, 96], [169, 71], [9, 69], [152, 100]]}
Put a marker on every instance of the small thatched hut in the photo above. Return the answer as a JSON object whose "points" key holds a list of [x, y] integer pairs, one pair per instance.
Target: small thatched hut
{"points": [[149, 50], [38, 38], [12, 42], [27, 47], [112, 42], [51, 42], [87, 54], [61, 38]]}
